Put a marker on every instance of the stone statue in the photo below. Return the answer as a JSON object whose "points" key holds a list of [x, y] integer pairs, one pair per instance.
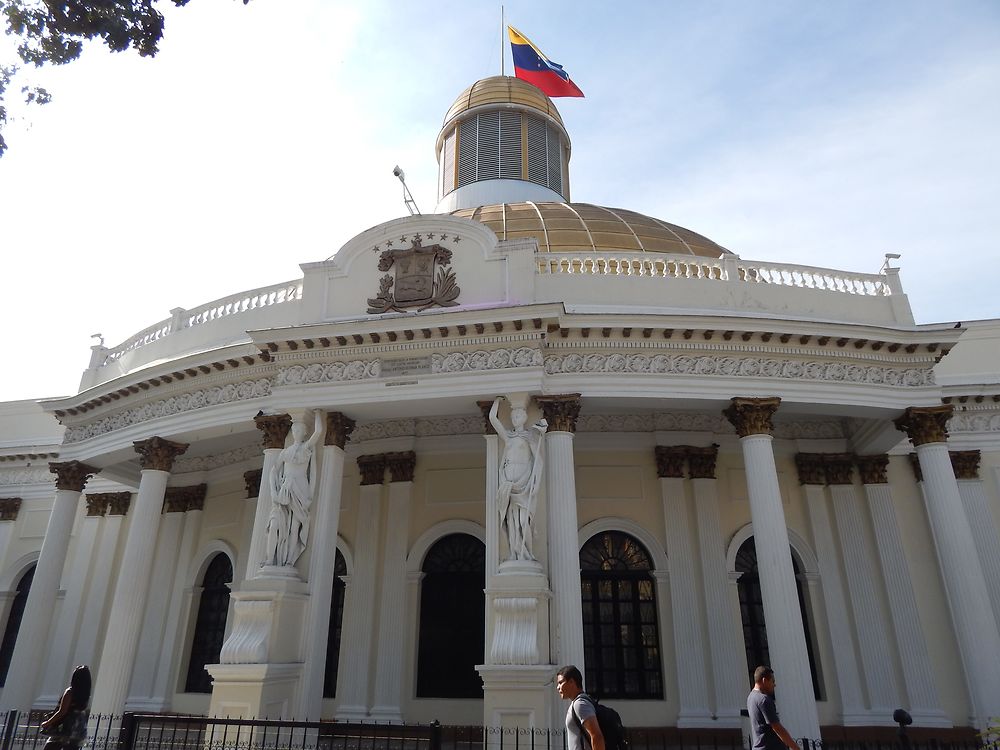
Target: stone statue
{"points": [[520, 478], [293, 480]]}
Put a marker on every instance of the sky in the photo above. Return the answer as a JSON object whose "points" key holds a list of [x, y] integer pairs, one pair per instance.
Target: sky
{"points": [[264, 136]]}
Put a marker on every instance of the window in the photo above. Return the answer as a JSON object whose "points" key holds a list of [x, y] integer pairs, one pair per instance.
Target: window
{"points": [[210, 627], [752, 613], [336, 625], [490, 147], [621, 638], [14, 622], [452, 619]]}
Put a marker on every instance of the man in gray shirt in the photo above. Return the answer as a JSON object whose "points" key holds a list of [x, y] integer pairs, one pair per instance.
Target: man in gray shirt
{"points": [[766, 732], [582, 730]]}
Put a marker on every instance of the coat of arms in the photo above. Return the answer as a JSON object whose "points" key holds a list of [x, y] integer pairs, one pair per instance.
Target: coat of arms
{"points": [[422, 279]]}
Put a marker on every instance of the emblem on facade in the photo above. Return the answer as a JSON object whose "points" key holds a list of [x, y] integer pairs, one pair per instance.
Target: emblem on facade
{"points": [[422, 279]]}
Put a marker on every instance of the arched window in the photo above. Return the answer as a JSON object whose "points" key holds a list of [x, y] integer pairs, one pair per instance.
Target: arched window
{"points": [[336, 624], [752, 613], [452, 619], [621, 640], [210, 627], [14, 622]]}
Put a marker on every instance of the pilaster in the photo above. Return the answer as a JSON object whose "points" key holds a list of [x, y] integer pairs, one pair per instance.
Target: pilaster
{"points": [[981, 520]]}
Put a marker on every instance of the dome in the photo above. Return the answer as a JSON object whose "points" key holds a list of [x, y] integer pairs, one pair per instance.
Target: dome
{"points": [[570, 227], [502, 90]]}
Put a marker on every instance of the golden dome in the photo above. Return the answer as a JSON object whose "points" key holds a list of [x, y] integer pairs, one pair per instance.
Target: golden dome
{"points": [[572, 227], [503, 90]]}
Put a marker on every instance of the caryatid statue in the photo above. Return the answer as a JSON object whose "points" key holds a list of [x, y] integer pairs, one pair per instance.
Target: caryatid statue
{"points": [[520, 477], [293, 483]]}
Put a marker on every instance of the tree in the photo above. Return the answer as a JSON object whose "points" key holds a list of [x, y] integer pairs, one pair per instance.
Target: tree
{"points": [[53, 32]]}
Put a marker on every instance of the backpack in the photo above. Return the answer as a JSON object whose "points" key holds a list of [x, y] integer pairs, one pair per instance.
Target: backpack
{"points": [[615, 734]]}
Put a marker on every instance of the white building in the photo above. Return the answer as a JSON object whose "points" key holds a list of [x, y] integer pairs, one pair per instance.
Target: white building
{"points": [[728, 443]]}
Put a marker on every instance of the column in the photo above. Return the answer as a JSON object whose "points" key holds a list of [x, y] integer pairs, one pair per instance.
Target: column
{"points": [[752, 419], [492, 480], [32, 638], [812, 477], [968, 595], [727, 659], [58, 666], [94, 610], [684, 601], [392, 619], [561, 412], [275, 429], [156, 457], [984, 528], [252, 480], [359, 603], [921, 687], [9, 506], [322, 561], [874, 645]]}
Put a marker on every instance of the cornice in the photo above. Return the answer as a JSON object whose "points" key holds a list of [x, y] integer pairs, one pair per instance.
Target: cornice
{"points": [[419, 343]]}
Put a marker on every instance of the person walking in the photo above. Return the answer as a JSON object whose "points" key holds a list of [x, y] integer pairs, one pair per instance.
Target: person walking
{"points": [[766, 731], [67, 727], [582, 730]]}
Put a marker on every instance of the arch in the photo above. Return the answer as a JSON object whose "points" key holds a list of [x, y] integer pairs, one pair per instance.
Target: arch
{"points": [[335, 624], [13, 625], [200, 562], [611, 523], [210, 622], [801, 550], [420, 548], [16, 570], [345, 549]]}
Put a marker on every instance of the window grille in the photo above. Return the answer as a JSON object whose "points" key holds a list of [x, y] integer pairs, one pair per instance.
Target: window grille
{"points": [[448, 164], [538, 164], [510, 145], [488, 166], [554, 161], [468, 143], [210, 626], [336, 626], [14, 622]]}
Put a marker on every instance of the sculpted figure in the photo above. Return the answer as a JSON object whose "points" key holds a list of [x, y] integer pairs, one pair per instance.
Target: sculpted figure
{"points": [[520, 478], [293, 480]]}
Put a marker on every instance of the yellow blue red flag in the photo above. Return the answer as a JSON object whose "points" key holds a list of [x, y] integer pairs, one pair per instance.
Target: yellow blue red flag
{"points": [[534, 67]]}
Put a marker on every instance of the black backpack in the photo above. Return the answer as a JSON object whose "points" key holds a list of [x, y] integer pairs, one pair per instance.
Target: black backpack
{"points": [[615, 734]]}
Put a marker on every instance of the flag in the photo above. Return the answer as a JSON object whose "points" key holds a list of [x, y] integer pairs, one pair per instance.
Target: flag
{"points": [[532, 66]]}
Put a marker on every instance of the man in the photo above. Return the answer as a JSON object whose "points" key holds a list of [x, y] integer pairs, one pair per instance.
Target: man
{"points": [[582, 730], [766, 731]]}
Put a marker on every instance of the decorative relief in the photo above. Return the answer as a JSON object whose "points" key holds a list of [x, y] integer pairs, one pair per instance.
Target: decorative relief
{"points": [[515, 633], [372, 468], [401, 466], [422, 279], [178, 404], [207, 463], [873, 469], [9, 506], [965, 464], [670, 461], [158, 453], [561, 412], [338, 429], [417, 428], [826, 430], [252, 480], [752, 416], [329, 372], [925, 424], [25, 476], [751, 367], [974, 422], [496, 359], [72, 475], [275, 429]]}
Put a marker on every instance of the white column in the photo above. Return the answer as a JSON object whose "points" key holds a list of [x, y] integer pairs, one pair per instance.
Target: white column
{"points": [[492, 481], [785, 632], [921, 687], [57, 666], [253, 481], [687, 627], [32, 638], [848, 678], [359, 602], [392, 613], [129, 603], [275, 428], [981, 520], [563, 537], [9, 506], [968, 595], [322, 562]]}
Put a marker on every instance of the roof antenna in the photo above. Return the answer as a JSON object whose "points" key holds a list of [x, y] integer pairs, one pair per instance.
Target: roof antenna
{"points": [[407, 196]]}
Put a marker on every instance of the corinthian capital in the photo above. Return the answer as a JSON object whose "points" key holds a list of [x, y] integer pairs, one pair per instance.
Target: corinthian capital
{"points": [[873, 468], [401, 466], [670, 461], [72, 475], [560, 412], [275, 428], [752, 416], [965, 464], [701, 461], [158, 453], [338, 429], [810, 466], [372, 468], [925, 424], [9, 506]]}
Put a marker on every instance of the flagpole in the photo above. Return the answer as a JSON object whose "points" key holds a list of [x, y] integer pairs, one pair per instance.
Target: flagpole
{"points": [[501, 41]]}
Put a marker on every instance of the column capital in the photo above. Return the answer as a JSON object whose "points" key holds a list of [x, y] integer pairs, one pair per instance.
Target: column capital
{"points": [[839, 468], [810, 466], [484, 407], [9, 506], [97, 504], [560, 412], [158, 453], [252, 480], [965, 464], [915, 465], [873, 468], [118, 503], [701, 461], [670, 461], [372, 468], [275, 428], [925, 424], [183, 499], [401, 466], [339, 427], [752, 416], [72, 475]]}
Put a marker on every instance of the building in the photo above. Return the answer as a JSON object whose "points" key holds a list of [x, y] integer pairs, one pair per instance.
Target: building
{"points": [[295, 500]]}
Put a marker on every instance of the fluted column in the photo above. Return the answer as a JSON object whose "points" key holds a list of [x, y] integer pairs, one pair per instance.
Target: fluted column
{"points": [[322, 563], [687, 621], [392, 617], [359, 602], [156, 456], [492, 482], [252, 480], [9, 506], [32, 638], [968, 595], [921, 688], [274, 428], [728, 663], [981, 520], [789, 658], [561, 412], [812, 477]]}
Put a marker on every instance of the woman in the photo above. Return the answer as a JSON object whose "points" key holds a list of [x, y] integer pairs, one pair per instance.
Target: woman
{"points": [[67, 727]]}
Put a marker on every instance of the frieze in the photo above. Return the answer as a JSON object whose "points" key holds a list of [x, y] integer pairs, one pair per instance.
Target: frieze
{"points": [[750, 367], [329, 372], [496, 359], [439, 427], [25, 476], [975, 422], [208, 463]]}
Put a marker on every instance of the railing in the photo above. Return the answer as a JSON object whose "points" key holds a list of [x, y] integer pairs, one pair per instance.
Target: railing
{"points": [[808, 277]]}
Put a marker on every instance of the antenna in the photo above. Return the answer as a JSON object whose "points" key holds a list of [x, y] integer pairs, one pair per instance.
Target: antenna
{"points": [[407, 196]]}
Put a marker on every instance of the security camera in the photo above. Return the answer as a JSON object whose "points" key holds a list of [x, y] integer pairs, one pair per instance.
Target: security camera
{"points": [[891, 256], [398, 172]]}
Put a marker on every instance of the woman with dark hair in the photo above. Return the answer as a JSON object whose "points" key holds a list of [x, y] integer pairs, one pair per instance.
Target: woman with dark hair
{"points": [[67, 727]]}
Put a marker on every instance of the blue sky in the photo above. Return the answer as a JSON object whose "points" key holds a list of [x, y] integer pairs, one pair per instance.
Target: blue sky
{"points": [[263, 136]]}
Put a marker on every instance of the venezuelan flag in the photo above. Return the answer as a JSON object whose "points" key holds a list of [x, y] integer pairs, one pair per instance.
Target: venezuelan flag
{"points": [[532, 66]]}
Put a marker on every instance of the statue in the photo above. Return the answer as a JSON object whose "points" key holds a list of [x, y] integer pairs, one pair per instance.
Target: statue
{"points": [[293, 480], [520, 478]]}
